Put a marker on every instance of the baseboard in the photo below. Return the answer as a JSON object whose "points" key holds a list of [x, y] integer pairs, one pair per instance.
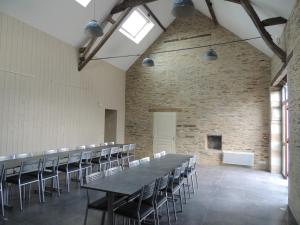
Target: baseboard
{"points": [[291, 219]]}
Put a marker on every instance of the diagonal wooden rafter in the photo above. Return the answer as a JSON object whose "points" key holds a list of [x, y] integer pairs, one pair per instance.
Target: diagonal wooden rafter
{"points": [[211, 11], [261, 28], [129, 4], [83, 63]]}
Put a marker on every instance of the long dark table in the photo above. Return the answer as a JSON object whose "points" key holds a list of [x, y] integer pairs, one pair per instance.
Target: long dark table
{"points": [[129, 182]]}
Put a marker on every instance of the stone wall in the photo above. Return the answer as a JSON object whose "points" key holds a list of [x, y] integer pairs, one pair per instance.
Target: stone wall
{"points": [[229, 96], [291, 37]]}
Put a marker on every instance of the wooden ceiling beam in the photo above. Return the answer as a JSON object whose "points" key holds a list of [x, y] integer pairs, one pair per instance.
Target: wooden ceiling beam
{"points": [[261, 28], [274, 21], [211, 11], [154, 17], [85, 61], [129, 4]]}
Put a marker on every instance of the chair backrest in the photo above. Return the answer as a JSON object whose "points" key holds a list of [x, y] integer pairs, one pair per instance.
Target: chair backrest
{"points": [[132, 147], [134, 163], [91, 146], [94, 176], [52, 151], [105, 144], [105, 152], [114, 170], [111, 143], [86, 156], [163, 153], [125, 149], [145, 160], [192, 162], [50, 161], [163, 182], [114, 150], [30, 165], [74, 157], [6, 157], [156, 155], [184, 167], [63, 150], [23, 155]]}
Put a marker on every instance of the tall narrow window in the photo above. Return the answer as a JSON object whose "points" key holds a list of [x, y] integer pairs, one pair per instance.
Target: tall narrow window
{"points": [[285, 133], [137, 26]]}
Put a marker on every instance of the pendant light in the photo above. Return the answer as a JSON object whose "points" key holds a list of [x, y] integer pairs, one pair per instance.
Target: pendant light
{"points": [[210, 55], [93, 28], [148, 62], [183, 8]]}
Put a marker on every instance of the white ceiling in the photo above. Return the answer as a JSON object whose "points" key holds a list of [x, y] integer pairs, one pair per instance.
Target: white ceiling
{"points": [[65, 20]]}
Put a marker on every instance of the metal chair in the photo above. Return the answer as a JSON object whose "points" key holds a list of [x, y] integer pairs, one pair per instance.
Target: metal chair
{"points": [[72, 166], [134, 163], [101, 158], [145, 160], [156, 155], [184, 167], [86, 163], [142, 208], [162, 197], [49, 171], [191, 172], [28, 174], [131, 151], [124, 156], [114, 156], [174, 186]]}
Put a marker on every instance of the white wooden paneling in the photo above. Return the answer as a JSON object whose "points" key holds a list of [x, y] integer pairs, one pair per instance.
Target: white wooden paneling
{"points": [[45, 102]]}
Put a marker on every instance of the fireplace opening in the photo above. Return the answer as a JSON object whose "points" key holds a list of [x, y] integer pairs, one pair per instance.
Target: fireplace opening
{"points": [[214, 142]]}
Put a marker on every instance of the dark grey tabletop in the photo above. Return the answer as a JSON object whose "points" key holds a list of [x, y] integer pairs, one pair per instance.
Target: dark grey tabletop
{"points": [[132, 180]]}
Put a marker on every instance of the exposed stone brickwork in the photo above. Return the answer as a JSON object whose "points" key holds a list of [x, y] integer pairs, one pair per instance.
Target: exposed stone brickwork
{"points": [[291, 41], [229, 96]]}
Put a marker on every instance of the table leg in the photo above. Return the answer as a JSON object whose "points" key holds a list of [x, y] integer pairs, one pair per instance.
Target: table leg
{"points": [[110, 209]]}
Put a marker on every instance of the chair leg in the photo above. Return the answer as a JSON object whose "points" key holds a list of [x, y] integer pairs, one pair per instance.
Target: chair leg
{"points": [[57, 185], [43, 190], [180, 200], [174, 206], [68, 181], [196, 176], [192, 180], [86, 215], [184, 195], [39, 189], [2, 200], [20, 195], [168, 212], [154, 218], [188, 185], [103, 218]]}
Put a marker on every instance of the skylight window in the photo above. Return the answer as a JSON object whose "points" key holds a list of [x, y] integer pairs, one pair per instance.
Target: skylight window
{"points": [[137, 26], [84, 3]]}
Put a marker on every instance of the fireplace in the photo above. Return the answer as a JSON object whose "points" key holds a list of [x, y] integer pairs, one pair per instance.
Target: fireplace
{"points": [[214, 142]]}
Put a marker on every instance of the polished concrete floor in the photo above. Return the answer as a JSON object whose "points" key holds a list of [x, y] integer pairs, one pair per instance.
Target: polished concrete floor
{"points": [[226, 196]]}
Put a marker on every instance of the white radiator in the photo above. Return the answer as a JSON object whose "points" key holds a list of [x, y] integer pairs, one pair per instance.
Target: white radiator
{"points": [[238, 158]]}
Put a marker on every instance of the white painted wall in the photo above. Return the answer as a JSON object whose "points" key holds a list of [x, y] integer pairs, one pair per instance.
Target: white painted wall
{"points": [[45, 102]]}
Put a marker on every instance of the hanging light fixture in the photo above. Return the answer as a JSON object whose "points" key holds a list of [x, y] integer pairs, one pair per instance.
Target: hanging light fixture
{"points": [[148, 62], [210, 55], [183, 8], [93, 28]]}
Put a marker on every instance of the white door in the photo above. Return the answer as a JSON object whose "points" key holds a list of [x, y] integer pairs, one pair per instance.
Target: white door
{"points": [[164, 132]]}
